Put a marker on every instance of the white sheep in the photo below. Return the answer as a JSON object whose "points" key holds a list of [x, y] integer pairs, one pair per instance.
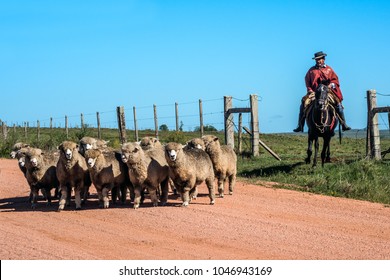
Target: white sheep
{"points": [[224, 161], [189, 168], [147, 170], [72, 173], [87, 143], [41, 172], [108, 173]]}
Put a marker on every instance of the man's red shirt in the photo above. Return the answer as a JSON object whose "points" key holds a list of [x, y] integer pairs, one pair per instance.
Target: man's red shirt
{"points": [[323, 73]]}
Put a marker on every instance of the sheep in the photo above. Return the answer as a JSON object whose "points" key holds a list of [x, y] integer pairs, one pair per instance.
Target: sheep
{"points": [[72, 173], [224, 161], [195, 143], [147, 170], [18, 146], [108, 172], [87, 143], [41, 172], [150, 142], [20, 155], [189, 168]]}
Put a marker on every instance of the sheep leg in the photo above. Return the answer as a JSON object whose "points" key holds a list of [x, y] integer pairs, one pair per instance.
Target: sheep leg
{"points": [[221, 190], [185, 195], [115, 194], [85, 194], [153, 195], [132, 194], [34, 191], [64, 197], [193, 193], [77, 196], [137, 196], [210, 186], [106, 202], [48, 193], [100, 195], [164, 192], [123, 193], [232, 182]]}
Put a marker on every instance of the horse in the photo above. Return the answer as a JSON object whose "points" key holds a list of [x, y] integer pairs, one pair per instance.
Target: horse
{"points": [[321, 120]]}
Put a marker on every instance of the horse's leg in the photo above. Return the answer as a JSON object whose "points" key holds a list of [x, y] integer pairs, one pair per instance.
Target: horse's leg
{"points": [[309, 149], [316, 147], [325, 150], [327, 159]]}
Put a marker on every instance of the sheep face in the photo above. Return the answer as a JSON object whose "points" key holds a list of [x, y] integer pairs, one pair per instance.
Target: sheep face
{"points": [[91, 157], [88, 143], [207, 139], [196, 143], [131, 153], [22, 161], [172, 150], [34, 156], [68, 149], [17, 147], [149, 142]]}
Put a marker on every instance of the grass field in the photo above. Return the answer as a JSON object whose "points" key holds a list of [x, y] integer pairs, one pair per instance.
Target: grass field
{"points": [[350, 174]]}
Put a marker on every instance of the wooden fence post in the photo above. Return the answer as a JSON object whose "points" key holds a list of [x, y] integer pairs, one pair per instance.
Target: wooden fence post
{"points": [[98, 125], [177, 115], [5, 130], [155, 120], [66, 127], [121, 123], [239, 141], [228, 120], [135, 124], [25, 130], [38, 130], [254, 124], [51, 128], [201, 128], [136, 136], [82, 121], [373, 137]]}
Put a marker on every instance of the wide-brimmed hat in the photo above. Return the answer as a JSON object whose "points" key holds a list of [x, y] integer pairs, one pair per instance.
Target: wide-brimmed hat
{"points": [[319, 55]]}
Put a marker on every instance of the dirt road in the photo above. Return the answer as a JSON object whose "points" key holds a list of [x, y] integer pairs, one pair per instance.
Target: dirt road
{"points": [[256, 222]]}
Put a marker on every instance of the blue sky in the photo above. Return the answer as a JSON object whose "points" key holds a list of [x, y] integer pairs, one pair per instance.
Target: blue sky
{"points": [[62, 58]]}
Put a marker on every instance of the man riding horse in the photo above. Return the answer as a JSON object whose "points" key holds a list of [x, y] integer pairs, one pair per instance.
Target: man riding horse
{"points": [[321, 73]]}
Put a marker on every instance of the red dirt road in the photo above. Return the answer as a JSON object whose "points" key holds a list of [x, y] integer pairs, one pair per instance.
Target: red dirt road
{"points": [[256, 222]]}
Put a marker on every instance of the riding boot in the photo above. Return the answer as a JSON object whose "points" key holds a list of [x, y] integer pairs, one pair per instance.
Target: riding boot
{"points": [[340, 113], [301, 119]]}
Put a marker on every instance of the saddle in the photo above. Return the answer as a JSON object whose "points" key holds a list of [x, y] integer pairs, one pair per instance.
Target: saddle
{"points": [[309, 101]]}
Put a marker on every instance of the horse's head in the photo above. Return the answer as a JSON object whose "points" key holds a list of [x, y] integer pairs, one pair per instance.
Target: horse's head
{"points": [[322, 96]]}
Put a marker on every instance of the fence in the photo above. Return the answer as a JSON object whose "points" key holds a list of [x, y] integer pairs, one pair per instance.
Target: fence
{"points": [[194, 111], [373, 144]]}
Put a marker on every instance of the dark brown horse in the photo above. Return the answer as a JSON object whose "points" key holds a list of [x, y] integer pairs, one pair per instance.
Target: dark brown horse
{"points": [[321, 120]]}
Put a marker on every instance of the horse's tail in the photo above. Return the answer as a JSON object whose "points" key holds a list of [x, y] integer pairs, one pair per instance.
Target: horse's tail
{"points": [[340, 134]]}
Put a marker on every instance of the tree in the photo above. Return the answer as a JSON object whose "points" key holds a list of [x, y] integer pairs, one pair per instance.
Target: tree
{"points": [[164, 127], [205, 128]]}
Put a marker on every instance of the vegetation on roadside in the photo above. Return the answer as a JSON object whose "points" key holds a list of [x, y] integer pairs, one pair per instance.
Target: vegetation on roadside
{"points": [[350, 174]]}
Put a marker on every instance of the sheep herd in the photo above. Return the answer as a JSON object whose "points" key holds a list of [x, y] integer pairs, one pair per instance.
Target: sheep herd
{"points": [[145, 168]]}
